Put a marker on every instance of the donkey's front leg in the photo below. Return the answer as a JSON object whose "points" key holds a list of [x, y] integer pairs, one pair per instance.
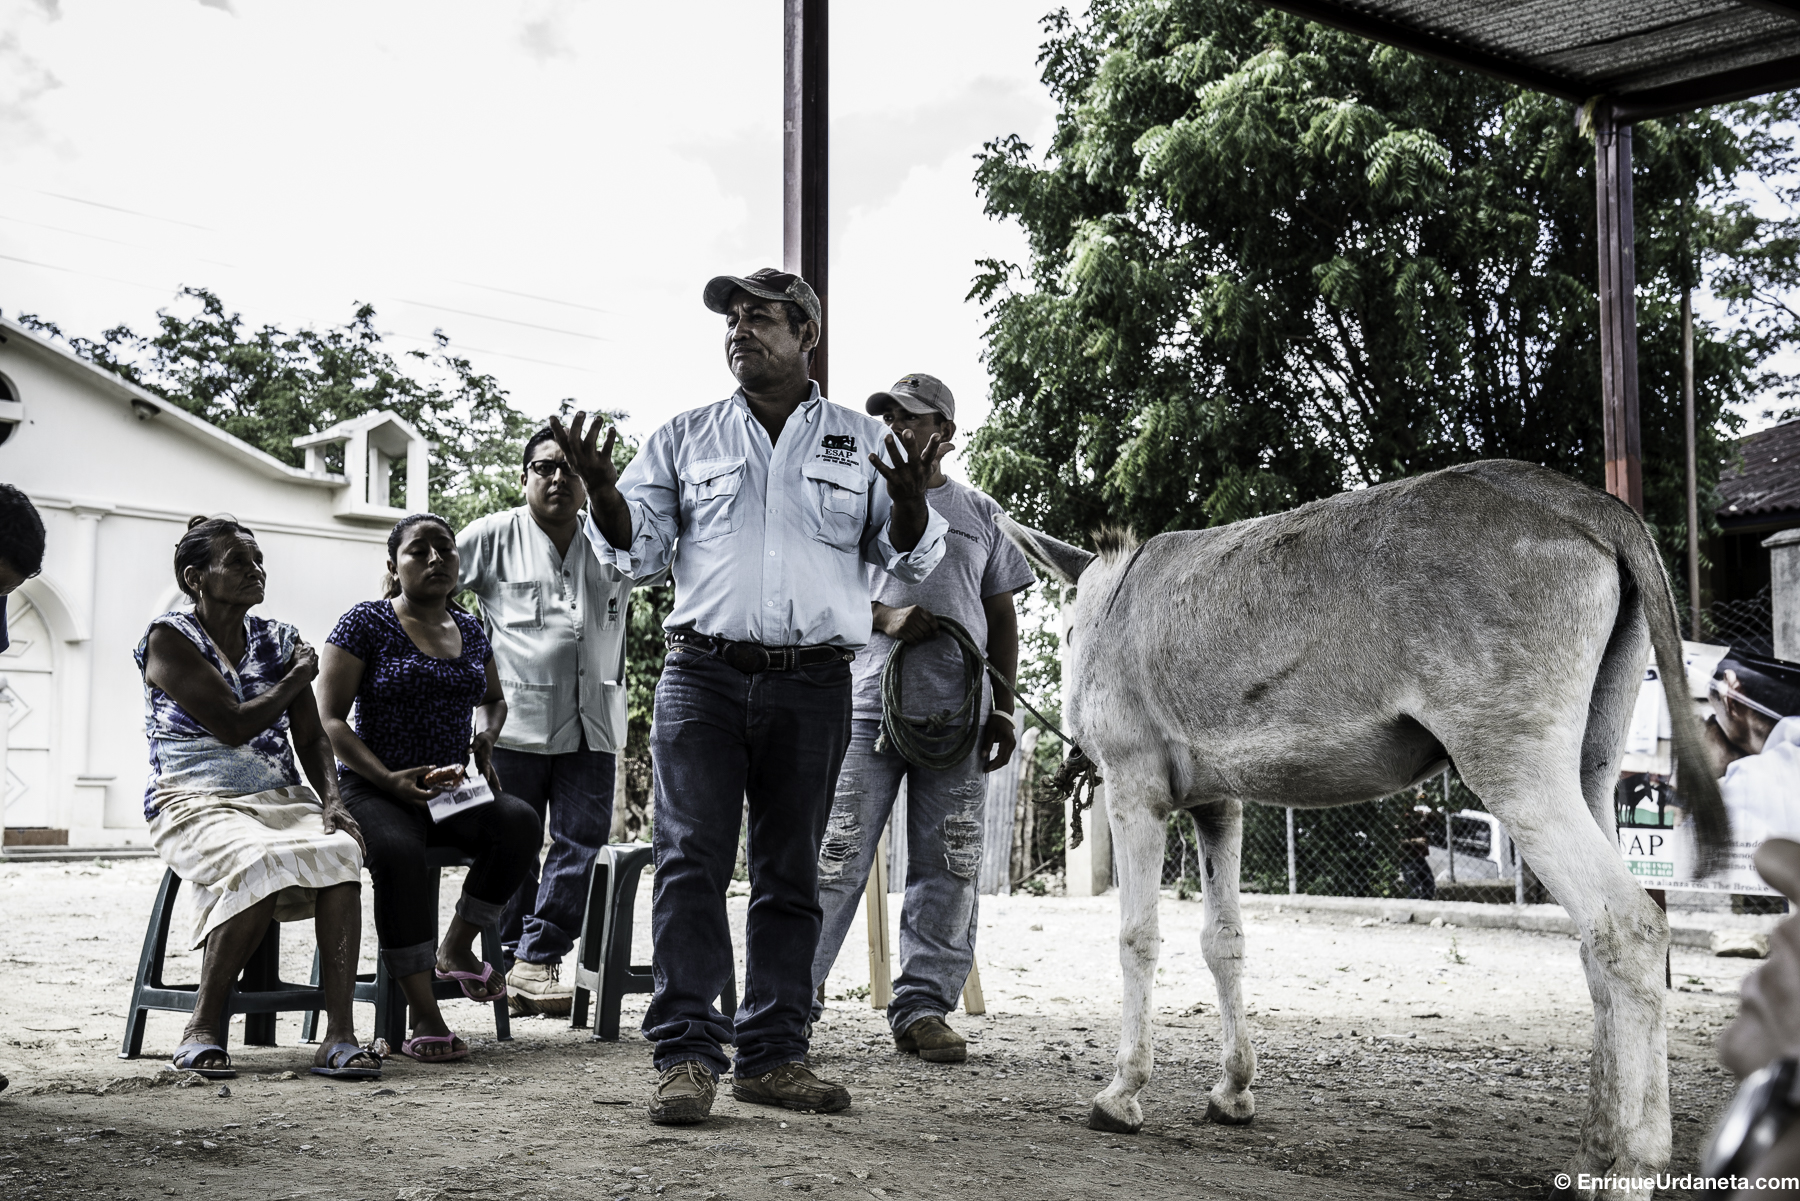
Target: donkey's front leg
{"points": [[1138, 838], [1221, 829]]}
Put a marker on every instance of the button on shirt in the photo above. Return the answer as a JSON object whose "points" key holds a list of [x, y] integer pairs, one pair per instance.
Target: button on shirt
{"points": [[557, 625], [767, 542]]}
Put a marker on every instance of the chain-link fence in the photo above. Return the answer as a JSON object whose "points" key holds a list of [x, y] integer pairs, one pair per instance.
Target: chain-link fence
{"points": [[1745, 625], [1434, 841]]}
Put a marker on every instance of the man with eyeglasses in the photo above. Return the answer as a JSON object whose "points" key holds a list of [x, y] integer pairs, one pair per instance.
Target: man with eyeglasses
{"points": [[555, 613], [768, 505]]}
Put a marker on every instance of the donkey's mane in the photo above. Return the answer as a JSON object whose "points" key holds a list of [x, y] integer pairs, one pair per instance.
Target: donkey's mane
{"points": [[1114, 542]]}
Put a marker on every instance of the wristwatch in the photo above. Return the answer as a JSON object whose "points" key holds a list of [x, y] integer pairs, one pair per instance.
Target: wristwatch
{"points": [[1761, 1112]]}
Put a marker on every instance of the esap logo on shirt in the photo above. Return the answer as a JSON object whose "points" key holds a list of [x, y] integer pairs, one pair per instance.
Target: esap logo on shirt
{"points": [[839, 449]]}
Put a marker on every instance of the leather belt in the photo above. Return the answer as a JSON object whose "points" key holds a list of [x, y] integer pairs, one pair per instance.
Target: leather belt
{"points": [[752, 657]]}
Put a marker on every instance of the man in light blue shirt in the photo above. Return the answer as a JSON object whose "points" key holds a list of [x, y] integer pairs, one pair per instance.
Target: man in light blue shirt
{"points": [[766, 507]]}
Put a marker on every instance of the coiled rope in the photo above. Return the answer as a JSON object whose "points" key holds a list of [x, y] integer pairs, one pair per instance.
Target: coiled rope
{"points": [[944, 739]]}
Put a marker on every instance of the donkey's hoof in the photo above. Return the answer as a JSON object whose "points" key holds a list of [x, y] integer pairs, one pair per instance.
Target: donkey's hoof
{"points": [[1231, 1110], [1099, 1119]]}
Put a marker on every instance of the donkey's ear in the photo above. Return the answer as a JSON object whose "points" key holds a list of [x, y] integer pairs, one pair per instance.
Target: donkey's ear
{"points": [[1058, 560]]}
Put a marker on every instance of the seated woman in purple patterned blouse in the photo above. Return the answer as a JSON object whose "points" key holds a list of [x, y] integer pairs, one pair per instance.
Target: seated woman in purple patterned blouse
{"points": [[416, 668]]}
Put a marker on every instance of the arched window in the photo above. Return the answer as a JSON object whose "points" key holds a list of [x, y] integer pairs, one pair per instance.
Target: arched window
{"points": [[12, 413]]}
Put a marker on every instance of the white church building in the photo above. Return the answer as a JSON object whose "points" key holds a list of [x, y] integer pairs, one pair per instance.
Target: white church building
{"points": [[116, 473]]}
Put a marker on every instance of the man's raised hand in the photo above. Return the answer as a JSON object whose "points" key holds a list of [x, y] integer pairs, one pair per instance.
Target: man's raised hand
{"points": [[910, 476], [592, 462]]}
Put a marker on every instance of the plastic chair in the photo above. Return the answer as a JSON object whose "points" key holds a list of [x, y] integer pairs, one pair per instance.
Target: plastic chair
{"points": [[259, 993], [377, 988], [603, 967]]}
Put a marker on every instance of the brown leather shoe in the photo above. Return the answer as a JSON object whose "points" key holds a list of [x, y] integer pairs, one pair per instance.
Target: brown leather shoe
{"points": [[684, 1095], [791, 1086], [932, 1040]]}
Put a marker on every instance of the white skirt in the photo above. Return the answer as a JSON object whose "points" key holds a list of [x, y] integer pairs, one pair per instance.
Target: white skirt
{"points": [[233, 851]]}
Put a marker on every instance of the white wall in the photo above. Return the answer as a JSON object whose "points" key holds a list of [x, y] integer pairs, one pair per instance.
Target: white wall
{"points": [[116, 493]]}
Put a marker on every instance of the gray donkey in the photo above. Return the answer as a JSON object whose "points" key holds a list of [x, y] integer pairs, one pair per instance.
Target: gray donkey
{"points": [[1494, 616]]}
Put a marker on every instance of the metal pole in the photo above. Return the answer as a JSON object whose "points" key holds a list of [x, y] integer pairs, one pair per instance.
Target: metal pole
{"points": [[1449, 828], [805, 144], [1693, 499], [1293, 879], [1618, 308]]}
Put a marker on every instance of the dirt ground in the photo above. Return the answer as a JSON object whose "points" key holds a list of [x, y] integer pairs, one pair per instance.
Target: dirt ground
{"points": [[1395, 1061]]}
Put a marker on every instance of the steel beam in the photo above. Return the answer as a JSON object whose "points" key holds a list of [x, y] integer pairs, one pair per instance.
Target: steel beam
{"points": [[1618, 308], [805, 173]]}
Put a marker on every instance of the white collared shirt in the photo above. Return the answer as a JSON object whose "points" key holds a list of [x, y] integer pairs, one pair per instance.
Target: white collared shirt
{"points": [[557, 625], [767, 543]]}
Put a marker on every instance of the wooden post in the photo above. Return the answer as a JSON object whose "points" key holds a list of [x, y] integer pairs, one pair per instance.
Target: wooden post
{"points": [[1618, 308], [805, 144], [1293, 879], [973, 1001], [1693, 498], [875, 911]]}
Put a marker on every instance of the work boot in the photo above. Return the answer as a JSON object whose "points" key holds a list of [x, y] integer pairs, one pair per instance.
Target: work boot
{"points": [[684, 1095], [539, 988], [791, 1086], [931, 1039]]}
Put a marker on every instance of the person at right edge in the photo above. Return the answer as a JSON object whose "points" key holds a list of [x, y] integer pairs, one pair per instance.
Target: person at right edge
{"points": [[765, 506], [1759, 1136], [974, 587]]}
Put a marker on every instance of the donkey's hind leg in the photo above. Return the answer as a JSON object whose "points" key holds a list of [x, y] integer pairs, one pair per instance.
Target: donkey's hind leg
{"points": [[1136, 809], [1221, 829], [1536, 790]]}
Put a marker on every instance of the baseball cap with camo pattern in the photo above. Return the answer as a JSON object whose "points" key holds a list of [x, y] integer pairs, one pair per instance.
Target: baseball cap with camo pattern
{"points": [[767, 283], [916, 393]]}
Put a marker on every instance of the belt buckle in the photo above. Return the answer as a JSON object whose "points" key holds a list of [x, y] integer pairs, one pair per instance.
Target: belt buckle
{"points": [[748, 657]]}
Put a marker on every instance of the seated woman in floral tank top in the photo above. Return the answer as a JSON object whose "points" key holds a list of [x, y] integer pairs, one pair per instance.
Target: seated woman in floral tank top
{"points": [[416, 668], [223, 691]]}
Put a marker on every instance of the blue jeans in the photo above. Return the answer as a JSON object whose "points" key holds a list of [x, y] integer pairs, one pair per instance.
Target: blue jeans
{"points": [[543, 918], [943, 851], [720, 738]]}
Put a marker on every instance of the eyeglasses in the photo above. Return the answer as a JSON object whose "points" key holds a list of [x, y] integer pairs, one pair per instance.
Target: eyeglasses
{"points": [[546, 468]]}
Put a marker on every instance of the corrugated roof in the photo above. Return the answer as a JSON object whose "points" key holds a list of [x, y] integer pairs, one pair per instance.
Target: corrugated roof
{"points": [[1768, 481], [1652, 57]]}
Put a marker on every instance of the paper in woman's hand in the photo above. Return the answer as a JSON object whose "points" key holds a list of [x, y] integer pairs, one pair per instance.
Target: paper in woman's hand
{"points": [[472, 793]]}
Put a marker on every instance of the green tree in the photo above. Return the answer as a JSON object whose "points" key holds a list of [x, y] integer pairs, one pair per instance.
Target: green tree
{"points": [[1270, 261], [268, 386]]}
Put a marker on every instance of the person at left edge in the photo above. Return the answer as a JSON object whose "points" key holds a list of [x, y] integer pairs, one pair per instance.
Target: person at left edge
{"points": [[21, 557], [554, 613], [21, 551], [766, 506]]}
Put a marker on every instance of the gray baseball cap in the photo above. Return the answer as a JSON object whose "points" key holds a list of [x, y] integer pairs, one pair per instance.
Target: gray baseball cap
{"points": [[767, 283], [916, 393]]}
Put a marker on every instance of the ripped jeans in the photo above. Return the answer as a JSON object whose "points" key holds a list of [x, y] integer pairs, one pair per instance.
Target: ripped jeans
{"points": [[943, 841]]}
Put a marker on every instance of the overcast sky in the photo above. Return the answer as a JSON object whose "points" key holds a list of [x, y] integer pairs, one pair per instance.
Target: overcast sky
{"points": [[549, 182]]}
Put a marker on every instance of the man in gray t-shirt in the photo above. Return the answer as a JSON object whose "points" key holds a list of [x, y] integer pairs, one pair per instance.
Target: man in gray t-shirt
{"points": [[974, 586]]}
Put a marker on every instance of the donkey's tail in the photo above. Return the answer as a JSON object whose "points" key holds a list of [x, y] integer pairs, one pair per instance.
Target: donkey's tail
{"points": [[1698, 788]]}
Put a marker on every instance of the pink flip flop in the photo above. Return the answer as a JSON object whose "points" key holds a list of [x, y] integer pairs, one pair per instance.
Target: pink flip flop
{"points": [[406, 1048], [467, 978]]}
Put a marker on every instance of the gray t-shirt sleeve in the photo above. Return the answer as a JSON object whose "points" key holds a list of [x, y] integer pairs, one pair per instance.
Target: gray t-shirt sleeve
{"points": [[1008, 570]]}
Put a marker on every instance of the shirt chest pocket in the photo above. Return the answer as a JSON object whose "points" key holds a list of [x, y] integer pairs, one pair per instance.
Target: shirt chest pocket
{"points": [[842, 496], [709, 489], [519, 606]]}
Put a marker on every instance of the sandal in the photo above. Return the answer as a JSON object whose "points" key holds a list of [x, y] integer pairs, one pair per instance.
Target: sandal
{"points": [[338, 1057], [466, 979], [449, 1040], [187, 1053]]}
